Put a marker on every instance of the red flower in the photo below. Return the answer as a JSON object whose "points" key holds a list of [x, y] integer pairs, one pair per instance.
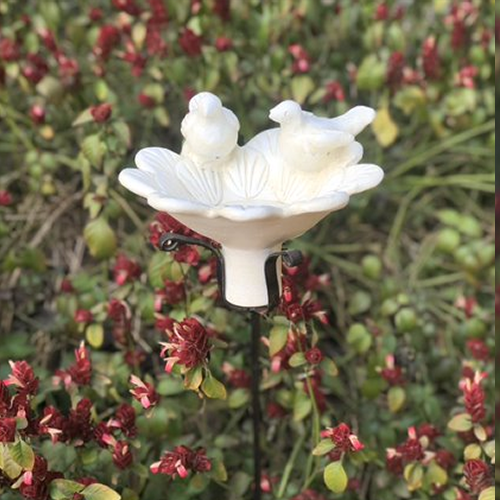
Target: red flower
{"points": [[102, 112], [128, 6], [35, 69], [159, 14], [431, 61], [445, 459], [223, 44], [181, 461], [466, 76], [23, 377], [96, 14], [275, 410], [343, 438], [144, 393], [302, 63], [9, 50], [146, 101], [174, 292], [7, 430], [222, 8], [125, 270], [477, 475], [188, 345], [121, 453], [334, 92], [391, 373], [37, 114], [411, 450], [5, 198], [48, 39], [478, 349], [81, 371], [395, 70], [394, 462], [80, 427], [83, 316], [237, 377], [428, 431], [474, 398], [314, 356], [69, 71], [125, 420], [108, 39], [382, 12], [190, 42]]}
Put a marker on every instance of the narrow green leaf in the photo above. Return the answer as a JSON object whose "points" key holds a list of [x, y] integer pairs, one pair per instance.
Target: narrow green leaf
{"points": [[323, 447], [277, 339], [297, 359]]}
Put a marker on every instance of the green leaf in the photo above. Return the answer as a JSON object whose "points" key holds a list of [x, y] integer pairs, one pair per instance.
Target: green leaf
{"points": [[414, 474], [63, 489], [94, 334], [396, 398], [359, 338], [159, 269], [100, 492], [329, 367], [302, 86], [488, 494], [193, 378], [93, 149], [238, 398], [277, 339], [100, 239], [23, 455], [472, 452], [212, 388], [371, 73], [302, 406], [323, 447], [297, 359], [219, 472], [480, 433], [84, 117], [7, 465], [335, 477], [385, 129], [436, 474], [460, 423]]}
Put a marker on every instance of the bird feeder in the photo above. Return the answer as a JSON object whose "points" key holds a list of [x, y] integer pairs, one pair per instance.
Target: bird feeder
{"points": [[251, 199]]}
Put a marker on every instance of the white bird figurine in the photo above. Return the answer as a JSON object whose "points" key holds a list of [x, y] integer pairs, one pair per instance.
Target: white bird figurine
{"points": [[209, 129], [310, 143]]}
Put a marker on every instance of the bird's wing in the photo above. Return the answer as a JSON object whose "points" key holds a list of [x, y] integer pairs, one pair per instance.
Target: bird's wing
{"points": [[353, 122], [322, 141]]}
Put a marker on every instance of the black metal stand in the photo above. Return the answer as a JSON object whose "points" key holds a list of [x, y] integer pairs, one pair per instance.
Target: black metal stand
{"points": [[256, 408], [170, 242]]}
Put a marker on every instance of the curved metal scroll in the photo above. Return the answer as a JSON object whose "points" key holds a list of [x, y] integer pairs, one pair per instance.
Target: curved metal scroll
{"points": [[169, 242]]}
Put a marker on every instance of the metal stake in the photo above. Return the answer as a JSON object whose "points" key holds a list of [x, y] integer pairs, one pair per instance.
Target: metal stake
{"points": [[256, 408]]}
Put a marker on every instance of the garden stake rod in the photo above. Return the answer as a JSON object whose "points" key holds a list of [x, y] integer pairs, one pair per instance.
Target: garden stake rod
{"points": [[170, 242]]}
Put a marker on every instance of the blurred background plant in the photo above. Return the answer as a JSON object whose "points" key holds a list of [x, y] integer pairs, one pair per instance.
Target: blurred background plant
{"points": [[379, 366]]}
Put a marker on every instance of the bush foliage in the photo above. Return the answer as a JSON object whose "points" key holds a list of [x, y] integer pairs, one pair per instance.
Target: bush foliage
{"points": [[126, 377]]}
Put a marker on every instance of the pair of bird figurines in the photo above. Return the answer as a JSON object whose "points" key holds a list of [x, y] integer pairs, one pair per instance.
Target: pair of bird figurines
{"points": [[282, 164]]}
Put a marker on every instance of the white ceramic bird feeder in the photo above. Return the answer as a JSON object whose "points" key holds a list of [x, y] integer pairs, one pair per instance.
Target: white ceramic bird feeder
{"points": [[252, 198]]}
